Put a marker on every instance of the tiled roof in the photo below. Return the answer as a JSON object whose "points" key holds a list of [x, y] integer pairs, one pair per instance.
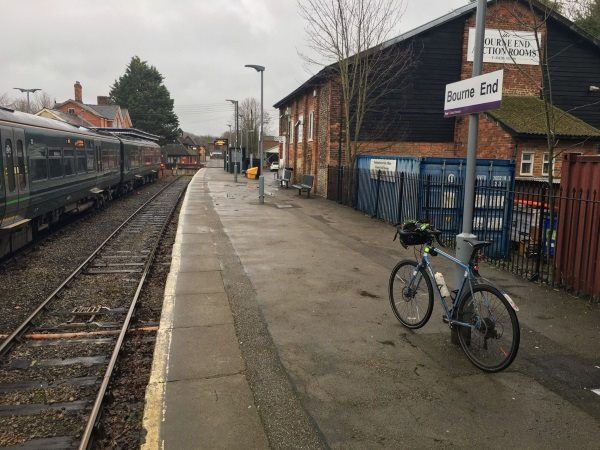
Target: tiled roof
{"points": [[525, 116], [107, 111]]}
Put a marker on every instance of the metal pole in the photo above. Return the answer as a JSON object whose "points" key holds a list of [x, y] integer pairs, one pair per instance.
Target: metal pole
{"points": [[28, 104], [463, 249], [235, 159], [261, 178]]}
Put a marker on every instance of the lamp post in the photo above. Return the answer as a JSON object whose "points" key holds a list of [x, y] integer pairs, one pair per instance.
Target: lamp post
{"points": [[227, 159], [261, 178], [235, 159], [28, 91]]}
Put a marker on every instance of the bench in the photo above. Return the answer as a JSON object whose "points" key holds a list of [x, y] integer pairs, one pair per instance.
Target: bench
{"points": [[306, 185], [285, 179]]}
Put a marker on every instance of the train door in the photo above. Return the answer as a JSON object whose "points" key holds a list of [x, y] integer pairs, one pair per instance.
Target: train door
{"points": [[10, 176], [21, 172]]}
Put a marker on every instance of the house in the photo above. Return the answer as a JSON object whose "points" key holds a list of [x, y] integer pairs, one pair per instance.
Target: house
{"points": [[104, 114], [409, 121], [177, 154]]}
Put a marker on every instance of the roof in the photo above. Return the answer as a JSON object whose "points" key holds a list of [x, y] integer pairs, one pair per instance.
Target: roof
{"points": [[66, 117], [525, 116], [130, 132], [107, 111], [175, 150], [455, 14]]}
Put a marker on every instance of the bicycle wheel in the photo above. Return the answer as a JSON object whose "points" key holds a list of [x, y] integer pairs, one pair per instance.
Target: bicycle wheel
{"points": [[492, 341], [411, 294]]}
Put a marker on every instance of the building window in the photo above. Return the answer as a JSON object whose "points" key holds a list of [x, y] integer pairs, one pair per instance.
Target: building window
{"points": [[311, 126], [290, 132], [71, 111], [546, 165], [526, 163], [300, 128]]}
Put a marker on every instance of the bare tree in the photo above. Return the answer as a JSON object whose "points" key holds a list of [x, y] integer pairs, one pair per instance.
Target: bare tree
{"points": [[349, 36], [249, 110], [5, 100], [38, 101]]}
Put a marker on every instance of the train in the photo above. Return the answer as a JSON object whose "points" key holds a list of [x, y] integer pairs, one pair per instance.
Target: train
{"points": [[52, 168]]}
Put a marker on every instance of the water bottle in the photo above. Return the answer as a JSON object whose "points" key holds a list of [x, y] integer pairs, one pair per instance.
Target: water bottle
{"points": [[441, 283]]}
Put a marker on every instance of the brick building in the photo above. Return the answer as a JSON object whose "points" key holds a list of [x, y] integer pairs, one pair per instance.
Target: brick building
{"points": [[410, 121], [101, 115]]}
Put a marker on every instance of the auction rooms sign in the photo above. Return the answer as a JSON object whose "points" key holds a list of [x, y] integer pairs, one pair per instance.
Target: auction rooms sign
{"points": [[507, 46]]}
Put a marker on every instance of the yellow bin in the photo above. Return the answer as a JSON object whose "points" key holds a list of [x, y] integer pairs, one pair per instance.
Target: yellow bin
{"points": [[252, 173]]}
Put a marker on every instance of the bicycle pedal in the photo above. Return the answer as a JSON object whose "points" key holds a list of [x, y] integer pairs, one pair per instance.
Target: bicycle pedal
{"points": [[445, 319]]}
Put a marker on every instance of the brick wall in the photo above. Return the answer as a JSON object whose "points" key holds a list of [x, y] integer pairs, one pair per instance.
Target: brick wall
{"points": [[492, 140], [538, 148], [510, 15], [84, 114]]}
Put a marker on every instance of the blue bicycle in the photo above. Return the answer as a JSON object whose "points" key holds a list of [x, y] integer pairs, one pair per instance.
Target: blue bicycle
{"points": [[483, 315]]}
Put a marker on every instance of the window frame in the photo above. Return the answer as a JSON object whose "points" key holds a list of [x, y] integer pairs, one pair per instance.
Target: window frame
{"points": [[546, 156], [300, 128], [11, 186], [530, 162], [311, 126]]}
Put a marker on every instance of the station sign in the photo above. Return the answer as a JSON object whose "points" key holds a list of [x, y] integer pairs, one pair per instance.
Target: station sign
{"points": [[474, 95], [220, 142]]}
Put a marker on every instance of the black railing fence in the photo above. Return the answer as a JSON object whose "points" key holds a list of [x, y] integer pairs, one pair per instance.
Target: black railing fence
{"points": [[516, 218]]}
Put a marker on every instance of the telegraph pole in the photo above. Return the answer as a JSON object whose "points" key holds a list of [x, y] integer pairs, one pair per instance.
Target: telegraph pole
{"points": [[237, 136]]}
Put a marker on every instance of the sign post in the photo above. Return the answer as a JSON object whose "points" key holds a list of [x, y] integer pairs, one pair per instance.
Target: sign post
{"points": [[463, 249]]}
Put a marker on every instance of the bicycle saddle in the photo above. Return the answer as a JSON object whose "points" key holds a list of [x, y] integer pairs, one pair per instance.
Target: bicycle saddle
{"points": [[478, 244]]}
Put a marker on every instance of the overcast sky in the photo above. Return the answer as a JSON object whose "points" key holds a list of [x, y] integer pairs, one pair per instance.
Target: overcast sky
{"points": [[200, 46]]}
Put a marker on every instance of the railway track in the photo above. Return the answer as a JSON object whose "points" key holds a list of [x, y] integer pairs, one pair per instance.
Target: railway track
{"points": [[55, 368]]}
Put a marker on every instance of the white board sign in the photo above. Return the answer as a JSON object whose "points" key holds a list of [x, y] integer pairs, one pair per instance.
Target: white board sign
{"points": [[385, 165], [506, 47], [473, 95]]}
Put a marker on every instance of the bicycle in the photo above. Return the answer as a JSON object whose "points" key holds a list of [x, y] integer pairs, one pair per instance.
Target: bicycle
{"points": [[483, 315]]}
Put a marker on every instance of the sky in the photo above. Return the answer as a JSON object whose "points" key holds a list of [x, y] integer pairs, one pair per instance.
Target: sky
{"points": [[200, 47]]}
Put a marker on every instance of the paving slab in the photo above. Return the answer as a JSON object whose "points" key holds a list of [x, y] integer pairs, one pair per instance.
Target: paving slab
{"points": [[199, 283], [213, 414], [203, 352], [197, 310]]}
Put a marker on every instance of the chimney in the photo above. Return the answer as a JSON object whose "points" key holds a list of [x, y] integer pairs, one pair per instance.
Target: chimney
{"points": [[103, 100], [78, 92]]}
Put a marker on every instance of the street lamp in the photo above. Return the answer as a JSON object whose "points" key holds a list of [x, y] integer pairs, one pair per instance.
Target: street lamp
{"points": [[235, 160], [261, 178], [28, 91]]}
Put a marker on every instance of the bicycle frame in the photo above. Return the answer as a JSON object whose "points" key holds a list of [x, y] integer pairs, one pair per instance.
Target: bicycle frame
{"points": [[468, 275]]}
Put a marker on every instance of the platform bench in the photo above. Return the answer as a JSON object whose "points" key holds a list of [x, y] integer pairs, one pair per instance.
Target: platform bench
{"points": [[285, 179], [306, 185]]}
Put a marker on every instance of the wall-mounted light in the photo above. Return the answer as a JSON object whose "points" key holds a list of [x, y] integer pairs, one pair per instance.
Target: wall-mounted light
{"points": [[594, 88]]}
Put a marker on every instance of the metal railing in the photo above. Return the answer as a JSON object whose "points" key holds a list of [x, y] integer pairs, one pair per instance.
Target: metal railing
{"points": [[561, 248]]}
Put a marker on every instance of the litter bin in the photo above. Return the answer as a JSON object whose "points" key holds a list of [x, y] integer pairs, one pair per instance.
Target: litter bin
{"points": [[252, 173]]}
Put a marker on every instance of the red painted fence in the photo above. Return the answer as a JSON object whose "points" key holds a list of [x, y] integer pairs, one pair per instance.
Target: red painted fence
{"points": [[577, 259]]}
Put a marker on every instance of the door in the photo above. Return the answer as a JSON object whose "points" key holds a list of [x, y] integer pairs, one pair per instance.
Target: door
{"points": [[2, 191], [21, 170], [10, 176]]}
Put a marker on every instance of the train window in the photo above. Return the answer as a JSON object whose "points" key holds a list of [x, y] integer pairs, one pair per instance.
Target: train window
{"points": [[21, 165], [69, 161], [10, 165], [90, 160], [81, 162], [38, 163], [55, 163]]}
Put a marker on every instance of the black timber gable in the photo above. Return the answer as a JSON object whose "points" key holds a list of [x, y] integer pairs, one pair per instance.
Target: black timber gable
{"points": [[414, 111], [574, 64]]}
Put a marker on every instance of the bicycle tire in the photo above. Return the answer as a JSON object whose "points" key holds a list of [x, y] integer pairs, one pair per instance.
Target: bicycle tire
{"points": [[403, 318], [487, 328]]}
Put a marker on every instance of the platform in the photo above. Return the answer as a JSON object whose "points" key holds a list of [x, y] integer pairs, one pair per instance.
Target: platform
{"points": [[276, 332]]}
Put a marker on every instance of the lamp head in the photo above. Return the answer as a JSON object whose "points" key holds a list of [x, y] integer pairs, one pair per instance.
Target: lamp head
{"points": [[232, 101], [256, 67]]}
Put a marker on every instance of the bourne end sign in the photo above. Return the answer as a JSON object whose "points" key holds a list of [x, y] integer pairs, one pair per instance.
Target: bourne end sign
{"points": [[474, 95]]}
